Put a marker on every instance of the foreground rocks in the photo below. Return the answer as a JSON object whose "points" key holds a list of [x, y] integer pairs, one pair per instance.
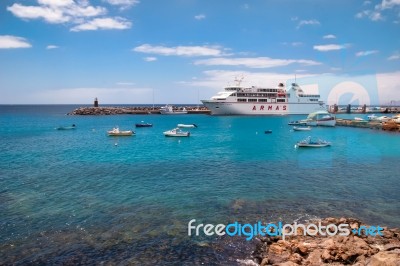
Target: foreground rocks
{"points": [[332, 250]]}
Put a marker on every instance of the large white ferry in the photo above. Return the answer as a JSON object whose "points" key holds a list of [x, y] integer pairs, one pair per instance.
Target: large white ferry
{"points": [[238, 100]]}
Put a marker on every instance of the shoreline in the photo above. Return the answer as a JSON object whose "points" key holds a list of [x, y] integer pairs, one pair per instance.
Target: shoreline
{"points": [[361, 249]]}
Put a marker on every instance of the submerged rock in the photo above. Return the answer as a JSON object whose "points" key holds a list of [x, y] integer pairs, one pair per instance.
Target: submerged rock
{"points": [[352, 249]]}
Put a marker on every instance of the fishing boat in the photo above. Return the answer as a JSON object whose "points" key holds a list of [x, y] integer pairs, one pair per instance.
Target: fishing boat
{"points": [[143, 124], [301, 128], [187, 125], [296, 123], [169, 110], [239, 100], [116, 132], [268, 131], [66, 127], [176, 132], [308, 142]]}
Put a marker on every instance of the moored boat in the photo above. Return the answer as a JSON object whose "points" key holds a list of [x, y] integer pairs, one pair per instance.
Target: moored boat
{"points": [[301, 128], [308, 142], [116, 132], [143, 124], [187, 125], [169, 110], [297, 123], [176, 132]]}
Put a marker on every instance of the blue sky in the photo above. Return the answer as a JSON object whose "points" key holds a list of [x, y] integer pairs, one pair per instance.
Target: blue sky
{"points": [[179, 51]]}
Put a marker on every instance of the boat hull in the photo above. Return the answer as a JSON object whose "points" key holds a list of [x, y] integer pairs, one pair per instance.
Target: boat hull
{"points": [[122, 133], [176, 135], [313, 145], [249, 108], [301, 128]]}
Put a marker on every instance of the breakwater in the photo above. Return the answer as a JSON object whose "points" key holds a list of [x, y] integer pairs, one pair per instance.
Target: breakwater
{"points": [[137, 110], [388, 126]]}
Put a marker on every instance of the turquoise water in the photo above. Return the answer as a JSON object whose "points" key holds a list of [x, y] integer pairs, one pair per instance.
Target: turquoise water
{"points": [[74, 196]]}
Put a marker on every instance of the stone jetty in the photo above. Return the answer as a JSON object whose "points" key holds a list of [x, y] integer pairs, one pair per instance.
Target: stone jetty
{"points": [[137, 110], [390, 125], [333, 250]]}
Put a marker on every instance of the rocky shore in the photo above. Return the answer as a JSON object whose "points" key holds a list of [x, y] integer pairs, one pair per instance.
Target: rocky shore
{"points": [[332, 250], [133, 110]]}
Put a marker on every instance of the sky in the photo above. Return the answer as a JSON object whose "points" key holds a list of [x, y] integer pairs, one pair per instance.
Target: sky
{"points": [[182, 51]]}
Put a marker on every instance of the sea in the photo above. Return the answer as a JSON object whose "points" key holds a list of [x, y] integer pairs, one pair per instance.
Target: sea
{"points": [[78, 196]]}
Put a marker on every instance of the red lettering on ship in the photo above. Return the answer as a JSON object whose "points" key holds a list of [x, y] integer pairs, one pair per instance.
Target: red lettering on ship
{"points": [[262, 107], [284, 108], [270, 107], [277, 108], [254, 108]]}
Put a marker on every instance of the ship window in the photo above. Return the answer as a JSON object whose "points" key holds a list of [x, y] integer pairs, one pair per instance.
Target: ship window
{"points": [[281, 100], [252, 100], [263, 100], [242, 100]]}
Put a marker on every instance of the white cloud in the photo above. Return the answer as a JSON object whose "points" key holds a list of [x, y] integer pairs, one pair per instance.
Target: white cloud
{"points": [[49, 14], [330, 47], [103, 24], [200, 16], [9, 42], [389, 3], [308, 22], [329, 36], [56, 11], [395, 56], [217, 79], [366, 53], [256, 62], [367, 3], [295, 44], [49, 47], [372, 15], [123, 3], [179, 50], [150, 59], [56, 3], [124, 83]]}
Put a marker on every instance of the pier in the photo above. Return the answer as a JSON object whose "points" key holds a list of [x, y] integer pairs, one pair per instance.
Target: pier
{"points": [[134, 110], [387, 126]]}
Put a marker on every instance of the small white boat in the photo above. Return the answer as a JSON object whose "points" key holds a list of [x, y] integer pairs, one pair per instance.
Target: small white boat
{"points": [[169, 110], [308, 142], [176, 132], [372, 117], [301, 128], [297, 123], [358, 119], [117, 132], [187, 125]]}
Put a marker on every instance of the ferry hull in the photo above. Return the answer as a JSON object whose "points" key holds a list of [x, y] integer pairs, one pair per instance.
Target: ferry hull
{"points": [[249, 108]]}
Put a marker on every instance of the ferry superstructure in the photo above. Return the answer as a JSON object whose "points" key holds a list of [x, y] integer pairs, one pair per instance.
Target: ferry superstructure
{"points": [[238, 100]]}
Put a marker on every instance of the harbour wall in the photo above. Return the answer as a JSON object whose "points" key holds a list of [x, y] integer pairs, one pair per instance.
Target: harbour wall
{"points": [[137, 110]]}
